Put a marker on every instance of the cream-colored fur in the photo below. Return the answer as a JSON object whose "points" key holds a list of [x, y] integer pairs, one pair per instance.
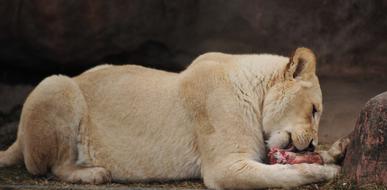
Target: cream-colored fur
{"points": [[214, 120]]}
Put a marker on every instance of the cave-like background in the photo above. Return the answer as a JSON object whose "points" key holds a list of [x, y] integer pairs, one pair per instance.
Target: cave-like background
{"points": [[39, 38]]}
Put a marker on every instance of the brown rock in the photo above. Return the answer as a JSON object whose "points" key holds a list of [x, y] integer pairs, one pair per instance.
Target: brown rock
{"points": [[62, 36], [12, 98], [366, 159]]}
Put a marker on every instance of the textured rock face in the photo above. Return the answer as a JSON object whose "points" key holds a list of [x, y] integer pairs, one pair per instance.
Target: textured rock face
{"points": [[12, 98], [366, 159], [65, 36]]}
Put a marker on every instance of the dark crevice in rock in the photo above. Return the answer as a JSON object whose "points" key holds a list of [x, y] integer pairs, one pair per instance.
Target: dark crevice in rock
{"points": [[8, 126]]}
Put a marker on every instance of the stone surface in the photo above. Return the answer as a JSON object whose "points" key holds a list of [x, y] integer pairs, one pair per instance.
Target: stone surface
{"points": [[69, 36], [366, 158], [12, 98]]}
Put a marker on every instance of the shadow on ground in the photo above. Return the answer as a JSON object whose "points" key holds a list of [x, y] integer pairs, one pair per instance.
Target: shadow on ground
{"points": [[18, 178]]}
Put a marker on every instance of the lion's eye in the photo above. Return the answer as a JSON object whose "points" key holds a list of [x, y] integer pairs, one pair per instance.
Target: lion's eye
{"points": [[314, 111]]}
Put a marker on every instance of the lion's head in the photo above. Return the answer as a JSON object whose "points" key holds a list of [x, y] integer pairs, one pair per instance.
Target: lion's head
{"points": [[292, 107]]}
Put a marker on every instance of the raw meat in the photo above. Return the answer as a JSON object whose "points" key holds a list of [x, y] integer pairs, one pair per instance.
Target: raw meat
{"points": [[285, 156]]}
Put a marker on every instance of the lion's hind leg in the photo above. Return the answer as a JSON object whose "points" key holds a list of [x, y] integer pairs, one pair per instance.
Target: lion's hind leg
{"points": [[50, 123], [78, 174]]}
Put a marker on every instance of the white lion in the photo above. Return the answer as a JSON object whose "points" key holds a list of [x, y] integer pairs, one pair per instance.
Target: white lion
{"points": [[214, 120]]}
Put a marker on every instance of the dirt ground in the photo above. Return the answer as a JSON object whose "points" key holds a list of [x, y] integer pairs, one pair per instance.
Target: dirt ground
{"points": [[17, 178]]}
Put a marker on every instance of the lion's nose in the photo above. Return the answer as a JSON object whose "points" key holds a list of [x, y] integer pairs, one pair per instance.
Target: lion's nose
{"points": [[311, 147]]}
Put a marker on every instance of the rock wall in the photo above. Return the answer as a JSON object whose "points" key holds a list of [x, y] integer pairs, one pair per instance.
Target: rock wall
{"points": [[11, 102], [65, 36]]}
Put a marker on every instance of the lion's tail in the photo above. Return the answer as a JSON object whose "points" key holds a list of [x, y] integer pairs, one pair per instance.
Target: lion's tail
{"points": [[13, 155]]}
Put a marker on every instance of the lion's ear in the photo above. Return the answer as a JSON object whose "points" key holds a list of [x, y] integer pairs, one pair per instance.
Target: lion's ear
{"points": [[302, 65]]}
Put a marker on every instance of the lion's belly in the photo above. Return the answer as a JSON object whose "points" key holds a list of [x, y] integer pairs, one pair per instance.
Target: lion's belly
{"points": [[140, 150], [142, 132]]}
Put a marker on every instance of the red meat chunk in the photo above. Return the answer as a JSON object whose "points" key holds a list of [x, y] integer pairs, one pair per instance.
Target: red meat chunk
{"points": [[284, 156]]}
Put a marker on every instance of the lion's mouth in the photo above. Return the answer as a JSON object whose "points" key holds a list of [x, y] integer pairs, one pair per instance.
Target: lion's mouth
{"points": [[292, 148]]}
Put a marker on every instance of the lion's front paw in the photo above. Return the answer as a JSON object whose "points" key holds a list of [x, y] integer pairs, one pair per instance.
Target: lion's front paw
{"points": [[330, 171], [337, 151], [315, 173]]}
